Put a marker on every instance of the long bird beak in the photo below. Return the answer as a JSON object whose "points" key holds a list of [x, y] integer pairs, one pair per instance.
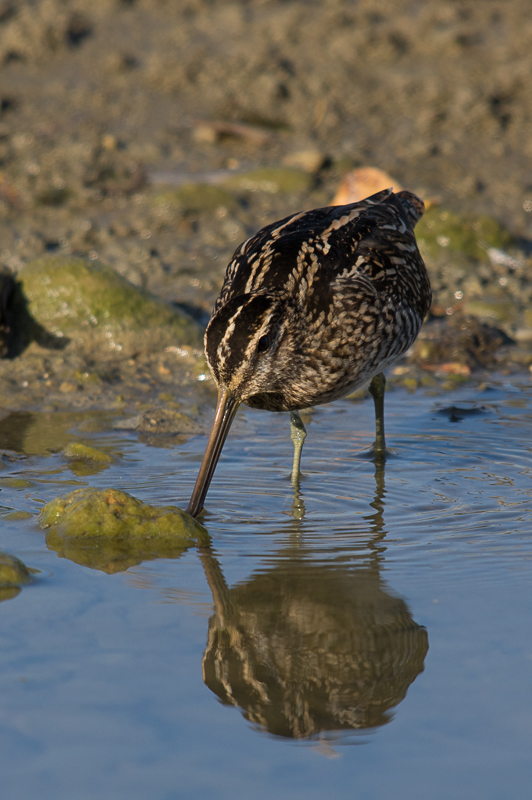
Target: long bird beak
{"points": [[225, 413]]}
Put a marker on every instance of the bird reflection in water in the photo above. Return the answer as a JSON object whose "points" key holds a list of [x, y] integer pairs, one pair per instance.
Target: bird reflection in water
{"points": [[313, 647]]}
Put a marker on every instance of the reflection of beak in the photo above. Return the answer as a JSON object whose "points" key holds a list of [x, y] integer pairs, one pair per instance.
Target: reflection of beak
{"points": [[225, 413]]}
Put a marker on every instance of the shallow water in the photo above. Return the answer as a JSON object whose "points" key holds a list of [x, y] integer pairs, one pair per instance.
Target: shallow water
{"points": [[391, 611]]}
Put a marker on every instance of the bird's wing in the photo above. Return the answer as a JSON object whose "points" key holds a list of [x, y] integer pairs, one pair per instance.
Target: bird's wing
{"points": [[322, 244]]}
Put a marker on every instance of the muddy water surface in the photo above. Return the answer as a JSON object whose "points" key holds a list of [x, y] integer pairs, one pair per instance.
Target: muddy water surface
{"points": [[369, 637]]}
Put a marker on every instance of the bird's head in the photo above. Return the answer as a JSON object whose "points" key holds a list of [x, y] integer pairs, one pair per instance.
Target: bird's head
{"points": [[252, 348], [253, 352]]}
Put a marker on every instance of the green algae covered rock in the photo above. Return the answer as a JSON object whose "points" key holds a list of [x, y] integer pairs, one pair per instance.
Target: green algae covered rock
{"points": [[111, 530], [197, 197], [13, 572], [88, 302], [283, 180], [441, 229]]}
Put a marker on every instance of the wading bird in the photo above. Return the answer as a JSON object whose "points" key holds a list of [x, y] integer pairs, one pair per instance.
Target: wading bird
{"points": [[311, 308]]}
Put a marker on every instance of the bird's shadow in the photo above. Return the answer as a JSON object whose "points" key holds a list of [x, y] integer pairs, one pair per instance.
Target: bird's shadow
{"points": [[18, 328], [313, 648]]}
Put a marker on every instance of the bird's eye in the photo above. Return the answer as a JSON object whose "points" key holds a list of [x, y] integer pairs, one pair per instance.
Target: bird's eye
{"points": [[263, 344]]}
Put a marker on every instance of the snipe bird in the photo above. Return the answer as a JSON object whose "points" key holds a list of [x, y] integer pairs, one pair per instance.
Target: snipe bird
{"points": [[311, 308]]}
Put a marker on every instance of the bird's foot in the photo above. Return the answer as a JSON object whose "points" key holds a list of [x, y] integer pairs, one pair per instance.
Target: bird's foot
{"points": [[379, 455]]}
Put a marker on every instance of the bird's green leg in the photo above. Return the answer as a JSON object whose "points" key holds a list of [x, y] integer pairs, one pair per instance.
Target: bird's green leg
{"points": [[376, 389], [298, 435]]}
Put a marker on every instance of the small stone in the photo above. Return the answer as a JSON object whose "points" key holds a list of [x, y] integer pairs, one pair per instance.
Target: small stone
{"points": [[109, 141], [523, 335], [455, 368], [67, 387], [161, 420], [400, 370], [78, 451], [211, 132], [205, 133], [308, 160], [13, 572]]}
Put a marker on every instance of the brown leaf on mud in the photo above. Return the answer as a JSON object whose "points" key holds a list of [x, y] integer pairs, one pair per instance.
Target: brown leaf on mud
{"points": [[361, 183], [365, 181]]}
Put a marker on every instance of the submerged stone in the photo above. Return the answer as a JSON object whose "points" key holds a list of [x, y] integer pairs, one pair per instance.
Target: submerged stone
{"points": [[85, 460], [88, 302], [13, 572], [111, 530], [76, 451], [18, 515], [16, 483]]}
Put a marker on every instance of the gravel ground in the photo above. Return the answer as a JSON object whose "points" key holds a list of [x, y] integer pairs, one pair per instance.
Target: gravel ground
{"points": [[131, 132]]}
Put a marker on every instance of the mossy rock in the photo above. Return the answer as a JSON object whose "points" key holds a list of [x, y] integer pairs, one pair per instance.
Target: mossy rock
{"points": [[440, 229], [13, 572], [88, 302], [110, 530], [198, 197], [85, 460], [283, 180]]}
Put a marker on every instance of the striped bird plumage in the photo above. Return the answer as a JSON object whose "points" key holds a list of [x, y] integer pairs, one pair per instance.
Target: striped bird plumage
{"points": [[311, 308], [314, 305]]}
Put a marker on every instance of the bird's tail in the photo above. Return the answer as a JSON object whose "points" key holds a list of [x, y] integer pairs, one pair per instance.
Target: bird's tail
{"points": [[412, 204]]}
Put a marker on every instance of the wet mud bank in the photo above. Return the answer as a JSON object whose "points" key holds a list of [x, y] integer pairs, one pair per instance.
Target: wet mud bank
{"points": [[142, 142]]}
